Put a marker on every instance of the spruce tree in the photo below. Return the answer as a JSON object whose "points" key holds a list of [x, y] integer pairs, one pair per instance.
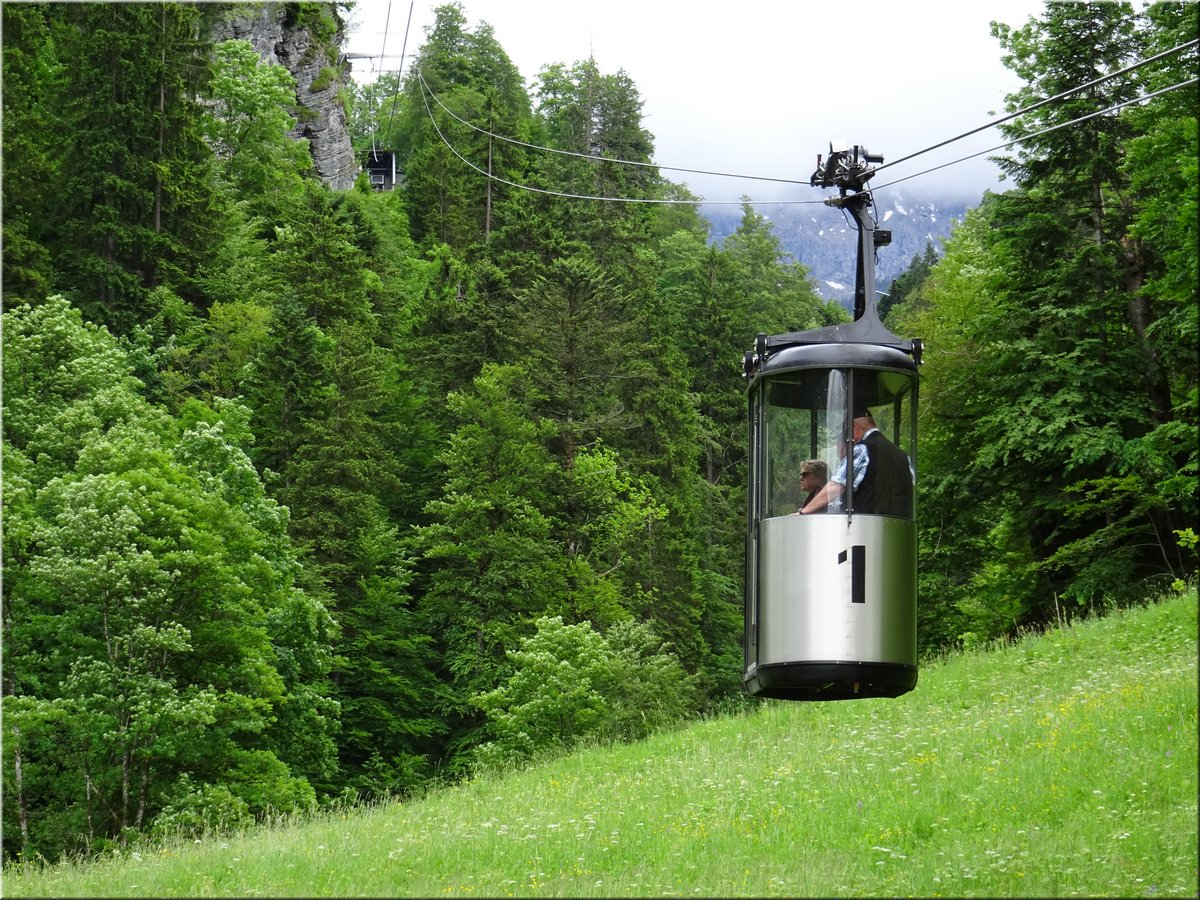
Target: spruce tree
{"points": [[135, 207]]}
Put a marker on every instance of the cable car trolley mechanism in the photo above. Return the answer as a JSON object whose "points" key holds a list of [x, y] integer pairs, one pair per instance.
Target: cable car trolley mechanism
{"points": [[831, 538]]}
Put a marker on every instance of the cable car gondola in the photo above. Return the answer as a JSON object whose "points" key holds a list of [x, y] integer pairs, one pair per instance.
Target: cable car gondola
{"points": [[831, 589]]}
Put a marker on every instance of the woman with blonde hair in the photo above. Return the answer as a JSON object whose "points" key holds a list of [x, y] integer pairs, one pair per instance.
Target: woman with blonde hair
{"points": [[813, 475]]}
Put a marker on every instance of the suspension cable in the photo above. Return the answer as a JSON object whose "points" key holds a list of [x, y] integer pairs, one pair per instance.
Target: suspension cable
{"points": [[591, 156], [1039, 104], [537, 190], [1044, 131], [403, 50], [428, 92]]}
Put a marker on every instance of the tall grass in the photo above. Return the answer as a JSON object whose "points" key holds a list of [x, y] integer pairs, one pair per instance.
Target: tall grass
{"points": [[1064, 764]]}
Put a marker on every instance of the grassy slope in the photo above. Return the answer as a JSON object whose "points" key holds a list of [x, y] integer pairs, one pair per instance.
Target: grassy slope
{"points": [[1065, 764]]}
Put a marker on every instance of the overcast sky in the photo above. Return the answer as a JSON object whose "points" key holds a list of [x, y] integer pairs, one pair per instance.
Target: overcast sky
{"points": [[760, 87]]}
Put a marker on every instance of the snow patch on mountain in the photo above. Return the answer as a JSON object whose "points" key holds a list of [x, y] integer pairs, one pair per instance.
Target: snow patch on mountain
{"points": [[824, 244]]}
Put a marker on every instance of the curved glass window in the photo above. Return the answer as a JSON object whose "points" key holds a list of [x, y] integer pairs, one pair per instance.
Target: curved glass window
{"points": [[837, 441]]}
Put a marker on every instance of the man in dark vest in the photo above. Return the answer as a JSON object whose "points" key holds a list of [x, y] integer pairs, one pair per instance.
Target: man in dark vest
{"points": [[887, 488], [883, 480]]}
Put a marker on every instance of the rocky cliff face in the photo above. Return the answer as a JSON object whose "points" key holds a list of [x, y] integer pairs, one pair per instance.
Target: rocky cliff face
{"points": [[282, 36]]}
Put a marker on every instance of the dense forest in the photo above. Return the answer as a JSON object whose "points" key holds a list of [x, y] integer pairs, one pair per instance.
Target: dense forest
{"points": [[317, 496]]}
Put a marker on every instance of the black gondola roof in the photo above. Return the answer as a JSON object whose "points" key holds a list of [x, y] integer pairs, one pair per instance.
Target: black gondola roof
{"points": [[863, 342]]}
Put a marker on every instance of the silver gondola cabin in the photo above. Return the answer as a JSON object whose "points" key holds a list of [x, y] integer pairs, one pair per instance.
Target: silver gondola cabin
{"points": [[831, 592]]}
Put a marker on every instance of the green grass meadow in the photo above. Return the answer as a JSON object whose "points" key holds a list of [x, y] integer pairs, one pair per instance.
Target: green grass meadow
{"points": [[1061, 765]]}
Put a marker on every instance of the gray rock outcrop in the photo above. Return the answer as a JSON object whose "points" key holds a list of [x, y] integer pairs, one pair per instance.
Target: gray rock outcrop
{"points": [[315, 63]]}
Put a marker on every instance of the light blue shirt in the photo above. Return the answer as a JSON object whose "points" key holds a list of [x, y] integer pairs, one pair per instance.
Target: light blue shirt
{"points": [[861, 458]]}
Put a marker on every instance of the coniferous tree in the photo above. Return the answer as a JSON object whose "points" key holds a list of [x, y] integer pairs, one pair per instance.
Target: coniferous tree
{"points": [[907, 282], [1051, 466], [331, 417], [490, 564], [1161, 276], [594, 122], [456, 127], [461, 94], [1069, 346], [974, 570], [31, 72], [134, 207], [574, 330]]}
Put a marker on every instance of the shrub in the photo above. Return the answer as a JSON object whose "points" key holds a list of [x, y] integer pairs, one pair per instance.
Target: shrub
{"points": [[570, 683], [199, 808]]}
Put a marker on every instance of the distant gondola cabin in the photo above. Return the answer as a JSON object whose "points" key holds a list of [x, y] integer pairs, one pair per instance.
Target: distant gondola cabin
{"points": [[380, 166]]}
